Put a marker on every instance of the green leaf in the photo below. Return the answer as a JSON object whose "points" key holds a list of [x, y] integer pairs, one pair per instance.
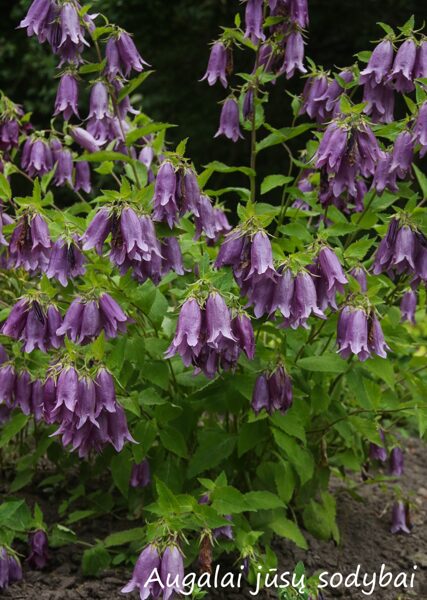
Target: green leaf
{"points": [[382, 368], [173, 440], [95, 560], [121, 470], [299, 457], [274, 181], [5, 190], [326, 363], [422, 180], [278, 136], [358, 250], [320, 518], [121, 538], [220, 167], [141, 132], [290, 531], [214, 447], [133, 85], [61, 536], [103, 156], [15, 425], [262, 501]]}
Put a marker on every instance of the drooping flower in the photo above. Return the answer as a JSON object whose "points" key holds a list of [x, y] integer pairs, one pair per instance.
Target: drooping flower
{"points": [[399, 250], [217, 65], [384, 177], [294, 55], [218, 322], [87, 411], [140, 475], [38, 543], [63, 160], [123, 56], [211, 221], [402, 73], [7, 384], [399, 519], [379, 64], [164, 201], [187, 340], [396, 462], [254, 21], [10, 569], [304, 302], [82, 177], [36, 158], [84, 139], [380, 102], [408, 306], [37, 19], [248, 104], [377, 452], [359, 274], [66, 261], [229, 125], [171, 256], [403, 153], [34, 324], [420, 70], [420, 128], [328, 277], [67, 97], [86, 319], [99, 102], [147, 564], [352, 335], [272, 392], [172, 571]]}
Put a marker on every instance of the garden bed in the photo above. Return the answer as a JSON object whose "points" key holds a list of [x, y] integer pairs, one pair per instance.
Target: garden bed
{"points": [[366, 540]]}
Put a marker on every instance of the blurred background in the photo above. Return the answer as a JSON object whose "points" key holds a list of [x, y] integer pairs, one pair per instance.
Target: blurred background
{"points": [[173, 36]]}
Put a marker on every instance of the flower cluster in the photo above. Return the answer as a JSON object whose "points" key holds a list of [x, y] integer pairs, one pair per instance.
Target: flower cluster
{"points": [[176, 193], [359, 332], [155, 574], [272, 392], [208, 338], [321, 95], [86, 410]]}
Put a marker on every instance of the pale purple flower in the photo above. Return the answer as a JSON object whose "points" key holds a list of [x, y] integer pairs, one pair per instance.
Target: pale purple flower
{"points": [[98, 108], [403, 154], [37, 19], [187, 338], [304, 302], [217, 65], [172, 571], [328, 277], [7, 384], [352, 335], [376, 341], [408, 306], [34, 325], [399, 519], [140, 475], [218, 323], [210, 220], [298, 10], [420, 70], [85, 139], [72, 32], [123, 56], [380, 102], [36, 159], [384, 177], [254, 21], [272, 392], [171, 256], [67, 97], [147, 564], [248, 104], [63, 161], [38, 543], [402, 74], [242, 330], [229, 121]]}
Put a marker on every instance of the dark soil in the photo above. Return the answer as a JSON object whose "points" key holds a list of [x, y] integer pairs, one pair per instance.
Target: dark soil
{"points": [[365, 540]]}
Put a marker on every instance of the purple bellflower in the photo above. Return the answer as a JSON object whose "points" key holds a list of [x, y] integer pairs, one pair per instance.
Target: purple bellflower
{"points": [[402, 73], [229, 125], [399, 519], [172, 571], [396, 462], [408, 306], [272, 392], [217, 65], [140, 475], [147, 563], [66, 102], [66, 261], [38, 542], [254, 21]]}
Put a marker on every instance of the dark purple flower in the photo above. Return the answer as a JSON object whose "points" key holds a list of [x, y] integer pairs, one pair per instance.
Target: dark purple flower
{"points": [[37, 19], [38, 542], [254, 21], [379, 64], [359, 274], [384, 177], [123, 56], [82, 177], [147, 564], [211, 221], [34, 325], [67, 97], [241, 327], [332, 147], [9, 134], [217, 65], [399, 519], [408, 306], [378, 452], [164, 201], [36, 158], [226, 531], [396, 462], [248, 104], [420, 70], [294, 55], [229, 125], [172, 571], [7, 384], [10, 569], [380, 102], [187, 338], [272, 392], [399, 250], [140, 476], [402, 74], [63, 161], [171, 256], [304, 302], [352, 334], [403, 154], [84, 139], [420, 128], [328, 277], [376, 341], [66, 261], [314, 90]]}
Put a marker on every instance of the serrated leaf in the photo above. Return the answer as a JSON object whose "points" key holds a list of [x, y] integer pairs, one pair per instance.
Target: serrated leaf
{"points": [[326, 363], [290, 531], [133, 85], [121, 538], [173, 440], [12, 428], [204, 457], [274, 181], [95, 560]]}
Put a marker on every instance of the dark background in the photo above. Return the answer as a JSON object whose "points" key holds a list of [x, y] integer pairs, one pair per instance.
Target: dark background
{"points": [[173, 36]]}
